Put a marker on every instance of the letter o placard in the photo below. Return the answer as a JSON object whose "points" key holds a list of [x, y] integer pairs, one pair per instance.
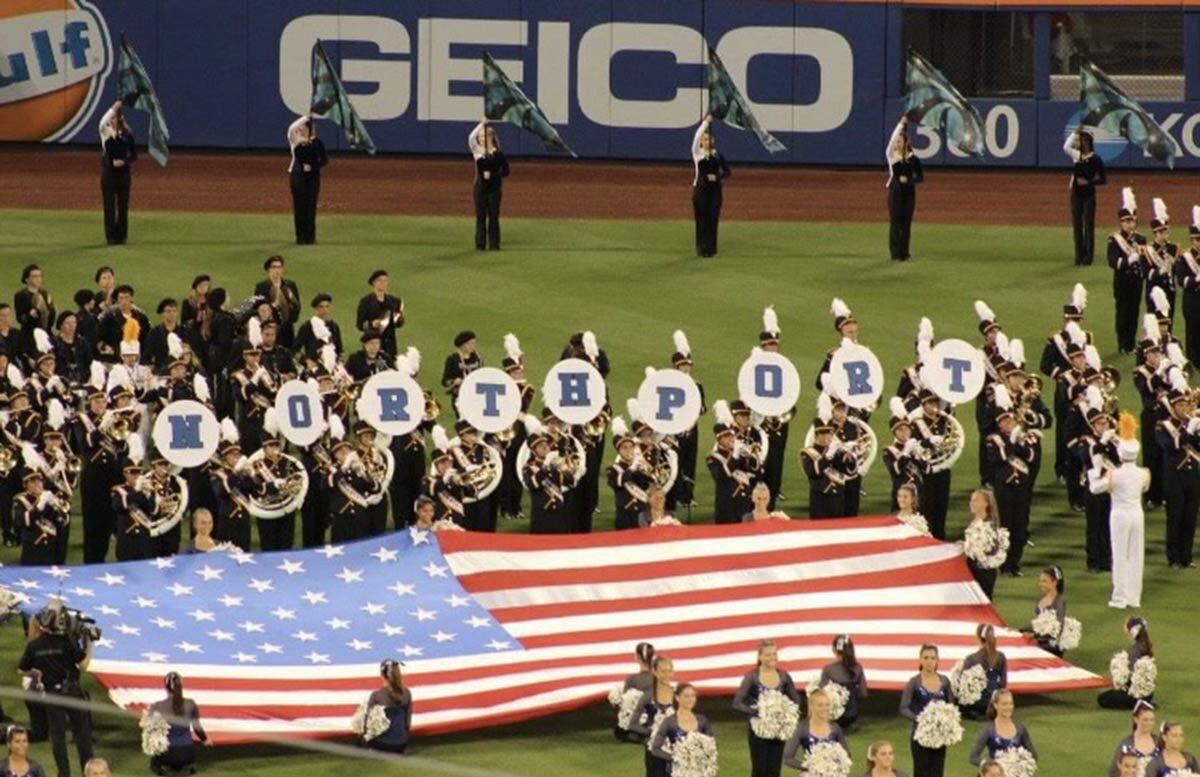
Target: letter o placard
{"points": [[857, 376], [300, 413], [392, 402], [768, 383], [489, 400], [574, 390], [954, 370], [186, 433], [670, 402]]}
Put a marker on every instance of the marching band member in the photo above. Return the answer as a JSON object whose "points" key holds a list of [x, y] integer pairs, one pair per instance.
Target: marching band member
{"points": [[491, 168], [446, 487], [369, 360], [374, 515], [847, 672], [99, 453], [1187, 277], [1097, 452], [1051, 583], [276, 359], [565, 444], [546, 478], [1009, 454], [1178, 435], [72, 349], [162, 483], [304, 176], [349, 486], [1141, 742], [194, 308], [39, 517], [1001, 732], [586, 494], [1034, 417], [994, 664], [134, 503], [583, 345], [45, 384], [904, 173], [1125, 250], [318, 463], [688, 443], [827, 464], [175, 386], [24, 423], [408, 452], [995, 355], [1172, 759], [471, 455], [924, 687], [1150, 380], [270, 472], [381, 311], [232, 487], [710, 170], [1072, 382], [931, 426], [729, 466], [1126, 484], [116, 172], [319, 330], [34, 309], [816, 729], [910, 379], [254, 388], [846, 325], [1160, 256], [628, 477], [284, 296], [1056, 360], [766, 755], [396, 700], [847, 435], [1087, 173], [219, 351], [510, 492], [459, 365], [776, 427]]}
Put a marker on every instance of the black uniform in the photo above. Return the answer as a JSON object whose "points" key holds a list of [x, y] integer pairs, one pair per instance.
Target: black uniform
{"points": [[133, 538], [371, 310], [706, 201], [1151, 387], [114, 185], [275, 533], [31, 317], [231, 520], [1160, 274], [73, 360], [546, 483], [314, 512], [455, 370], [1086, 174], [408, 451], [449, 495], [99, 455], [157, 353], [1010, 462], [1187, 277], [305, 180], [733, 477], [776, 428], [935, 497], [902, 202], [688, 446], [629, 484], [348, 491], [57, 658], [307, 344], [112, 325], [905, 466], [43, 529], [827, 474], [490, 171], [1181, 487], [1098, 507], [1128, 270], [286, 300]]}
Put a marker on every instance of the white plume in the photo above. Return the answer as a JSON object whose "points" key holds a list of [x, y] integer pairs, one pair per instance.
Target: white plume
{"points": [[14, 376], [1176, 377], [440, 440], [1001, 396], [619, 428], [31, 458], [337, 429], [1160, 210], [1016, 349], [983, 311], [722, 413], [1150, 327], [401, 365], [1079, 297], [1159, 297], [42, 340], [1003, 346], [681, 343], [649, 371], [896, 406], [589, 344], [824, 407], [96, 374], [174, 345], [1175, 355], [414, 359], [1196, 215], [254, 332], [925, 331], [1075, 334], [923, 351], [1092, 356], [634, 409], [270, 421], [137, 449], [512, 347], [229, 430], [532, 425], [328, 356], [56, 416], [1128, 201], [1095, 399], [770, 321], [838, 308], [200, 388], [320, 329]]}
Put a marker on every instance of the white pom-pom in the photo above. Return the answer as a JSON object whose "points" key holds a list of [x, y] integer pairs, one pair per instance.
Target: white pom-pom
{"points": [[174, 345], [838, 308], [634, 409], [925, 331], [770, 321], [42, 340], [254, 332], [590, 347], [1128, 201], [440, 440], [414, 359], [200, 388], [229, 430], [1001, 396], [56, 416], [983, 311], [619, 427], [824, 407], [1159, 298], [1160, 210], [681, 343], [320, 329], [1079, 297], [896, 406], [14, 376], [512, 347], [722, 413], [137, 449]]}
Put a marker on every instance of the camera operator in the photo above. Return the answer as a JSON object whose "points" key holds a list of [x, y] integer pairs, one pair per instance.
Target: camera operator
{"points": [[59, 648]]}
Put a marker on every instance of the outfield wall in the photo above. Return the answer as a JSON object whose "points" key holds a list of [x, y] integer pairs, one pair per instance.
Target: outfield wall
{"points": [[620, 78]]}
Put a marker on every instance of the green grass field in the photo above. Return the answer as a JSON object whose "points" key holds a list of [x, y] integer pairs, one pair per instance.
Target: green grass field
{"points": [[633, 283]]}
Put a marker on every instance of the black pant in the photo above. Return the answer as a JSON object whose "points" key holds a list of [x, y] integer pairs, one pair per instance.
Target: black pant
{"points": [[766, 756], [1012, 500], [1152, 456], [825, 505], [1113, 699], [81, 726], [276, 533], [114, 190], [1083, 220], [1062, 407], [7, 491], [902, 201], [1191, 322], [706, 206], [487, 216], [985, 577], [176, 759], [306, 187], [655, 766], [852, 498], [1127, 296], [313, 514], [1181, 489], [935, 502], [1099, 541], [773, 466], [928, 762], [347, 527]]}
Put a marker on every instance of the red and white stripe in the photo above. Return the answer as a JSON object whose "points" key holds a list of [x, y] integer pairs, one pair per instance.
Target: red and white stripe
{"points": [[703, 595]]}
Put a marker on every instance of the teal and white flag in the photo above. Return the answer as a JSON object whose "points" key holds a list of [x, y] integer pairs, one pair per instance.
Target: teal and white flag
{"points": [[1104, 105], [503, 100], [330, 101], [932, 101], [726, 103], [136, 91]]}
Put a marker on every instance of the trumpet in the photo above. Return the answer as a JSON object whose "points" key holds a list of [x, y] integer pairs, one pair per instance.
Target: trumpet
{"points": [[433, 408], [596, 428], [120, 423]]}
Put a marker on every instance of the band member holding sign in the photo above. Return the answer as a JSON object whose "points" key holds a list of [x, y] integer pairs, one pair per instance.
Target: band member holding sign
{"points": [[381, 312], [688, 442], [776, 427], [116, 172], [1125, 251], [904, 173], [491, 168], [460, 364], [711, 169], [1086, 174], [304, 172], [1187, 277], [1160, 258]]}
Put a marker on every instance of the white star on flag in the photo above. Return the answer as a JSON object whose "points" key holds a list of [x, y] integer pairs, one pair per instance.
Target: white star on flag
{"points": [[221, 636], [315, 597], [165, 562], [403, 589], [230, 601], [435, 570], [251, 627], [179, 589], [189, 647], [337, 623], [105, 642], [58, 573], [390, 631], [203, 615], [370, 608], [268, 648], [318, 658], [144, 603], [441, 636], [423, 614], [28, 585], [350, 575], [245, 658], [284, 614], [209, 573], [386, 554], [409, 651], [129, 631], [329, 551], [357, 645], [155, 658], [242, 558], [419, 536], [79, 591], [163, 623], [454, 600], [262, 586], [104, 609], [496, 644], [109, 579], [291, 567], [305, 636], [476, 622]]}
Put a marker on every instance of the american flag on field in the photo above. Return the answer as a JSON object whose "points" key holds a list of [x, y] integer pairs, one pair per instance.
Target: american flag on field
{"points": [[498, 628]]}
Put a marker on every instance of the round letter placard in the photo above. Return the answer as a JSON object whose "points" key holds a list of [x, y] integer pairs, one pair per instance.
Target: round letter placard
{"points": [[954, 370], [857, 376], [186, 433], [574, 391], [669, 401], [392, 402], [768, 383], [489, 400]]}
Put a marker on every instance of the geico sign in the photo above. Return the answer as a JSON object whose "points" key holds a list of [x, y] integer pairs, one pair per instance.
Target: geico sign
{"points": [[439, 68]]}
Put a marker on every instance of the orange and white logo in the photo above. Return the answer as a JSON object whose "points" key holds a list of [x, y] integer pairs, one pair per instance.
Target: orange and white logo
{"points": [[54, 56]]}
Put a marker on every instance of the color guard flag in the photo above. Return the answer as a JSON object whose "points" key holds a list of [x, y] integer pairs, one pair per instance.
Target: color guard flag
{"points": [[503, 100], [136, 91], [1104, 105], [329, 100], [931, 100], [726, 103], [495, 628]]}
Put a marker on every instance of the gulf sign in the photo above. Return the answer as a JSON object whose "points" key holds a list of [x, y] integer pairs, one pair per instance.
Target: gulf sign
{"points": [[54, 56]]}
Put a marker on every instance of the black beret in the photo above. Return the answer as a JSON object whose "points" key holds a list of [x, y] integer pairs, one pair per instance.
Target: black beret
{"points": [[376, 275], [370, 334], [199, 279], [166, 303], [463, 337], [322, 297], [83, 297]]}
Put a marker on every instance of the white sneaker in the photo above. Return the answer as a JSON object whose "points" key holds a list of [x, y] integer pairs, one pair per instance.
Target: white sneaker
{"points": [[1117, 605]]}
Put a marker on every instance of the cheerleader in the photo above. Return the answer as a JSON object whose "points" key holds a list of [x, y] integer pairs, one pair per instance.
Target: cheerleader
{"points": [[711, 169], [904, 173], [760, 499], [907, 502], [766, 755], [642, 680], [1138, 632], [815, 730], [678, 725], [848, 673], [1052, 584], [18, 763], [1172, 759], [984, 510], [654, 704], [1140, 744], [881, 760], [995, 668], [1002, 732], [184, 718], [924, 687], [396, 700]]}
